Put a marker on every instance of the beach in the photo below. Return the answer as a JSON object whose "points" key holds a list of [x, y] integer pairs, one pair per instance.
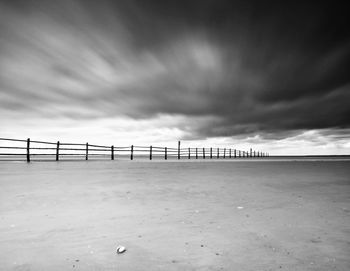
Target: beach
{"points": [[278, 214]]}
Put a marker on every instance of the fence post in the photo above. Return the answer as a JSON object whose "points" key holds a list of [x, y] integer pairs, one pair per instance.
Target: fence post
{"points": [[178, 150], [211, 153], [234, 153], [150, 153], [218, 154], [132, 152], [230, 154], [112, 152], [189, 153], [251, 153], [87, 152], [239, 153], [203, 153], [57, 151], [196, 153], [28, 148], [166, 153], [224, 153]]}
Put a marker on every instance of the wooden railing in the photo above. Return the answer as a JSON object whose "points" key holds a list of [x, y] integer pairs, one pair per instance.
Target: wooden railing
{"points": [[28, 150]]}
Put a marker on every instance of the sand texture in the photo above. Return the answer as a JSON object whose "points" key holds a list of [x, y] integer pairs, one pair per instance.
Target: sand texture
{"points": [[227, 215]]}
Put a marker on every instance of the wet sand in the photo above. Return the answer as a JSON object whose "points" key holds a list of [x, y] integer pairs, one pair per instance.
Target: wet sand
{"points": [[227, 215]]}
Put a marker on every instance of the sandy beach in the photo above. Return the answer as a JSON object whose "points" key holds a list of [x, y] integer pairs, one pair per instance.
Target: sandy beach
{"points": [[198, 215]]}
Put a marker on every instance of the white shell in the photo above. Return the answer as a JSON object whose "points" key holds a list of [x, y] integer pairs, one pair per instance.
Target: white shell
{"points": [[120, 249]]}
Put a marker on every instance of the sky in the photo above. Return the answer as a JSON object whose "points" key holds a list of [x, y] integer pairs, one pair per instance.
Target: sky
{"points": [[268, 75]]}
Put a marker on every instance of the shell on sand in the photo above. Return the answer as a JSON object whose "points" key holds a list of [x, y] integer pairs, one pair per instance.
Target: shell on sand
{"points": [[120, 249]]}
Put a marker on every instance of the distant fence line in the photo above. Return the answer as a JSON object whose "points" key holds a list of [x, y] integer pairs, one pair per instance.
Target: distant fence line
{"points": [[59, 150]]}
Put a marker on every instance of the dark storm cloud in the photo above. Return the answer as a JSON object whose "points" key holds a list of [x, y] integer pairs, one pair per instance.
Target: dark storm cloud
{"points": [[247, 66]]}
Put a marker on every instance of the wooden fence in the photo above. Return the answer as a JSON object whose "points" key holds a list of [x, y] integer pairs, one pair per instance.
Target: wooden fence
{"points": [[28, 150]]}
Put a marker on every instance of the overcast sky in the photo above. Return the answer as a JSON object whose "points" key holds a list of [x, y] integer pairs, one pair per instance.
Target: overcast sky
{"points": [[270, 75]]}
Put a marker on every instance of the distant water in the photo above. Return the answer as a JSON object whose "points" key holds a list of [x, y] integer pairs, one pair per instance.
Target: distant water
{"points": [[183, 158]]}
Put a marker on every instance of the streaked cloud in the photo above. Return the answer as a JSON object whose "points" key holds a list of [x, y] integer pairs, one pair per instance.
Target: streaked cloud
{"points": [[196, 70]]}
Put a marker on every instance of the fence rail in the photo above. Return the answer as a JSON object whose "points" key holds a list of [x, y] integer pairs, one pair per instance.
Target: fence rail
{"points": [[58, 151]]}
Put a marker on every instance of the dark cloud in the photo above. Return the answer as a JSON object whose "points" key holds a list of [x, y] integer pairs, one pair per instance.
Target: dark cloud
{"points": [[250, 67]]}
